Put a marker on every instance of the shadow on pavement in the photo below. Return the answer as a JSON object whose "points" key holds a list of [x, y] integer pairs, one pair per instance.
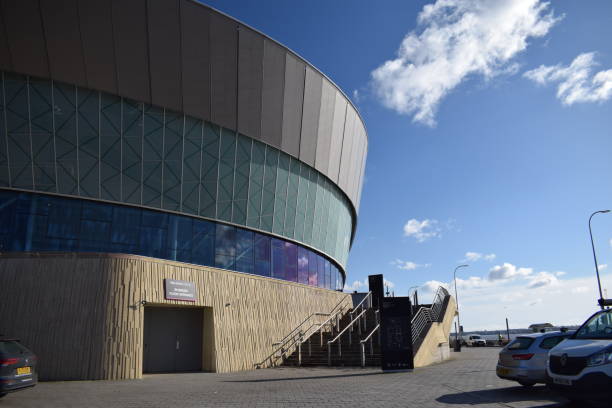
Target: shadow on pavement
{"points": [[539, 394], [317, 377]]}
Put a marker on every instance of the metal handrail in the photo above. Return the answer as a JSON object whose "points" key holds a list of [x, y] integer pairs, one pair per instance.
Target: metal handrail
{"points": [[426, 315], [363, 342], [360, 305], [330, 342], [295, 335]]}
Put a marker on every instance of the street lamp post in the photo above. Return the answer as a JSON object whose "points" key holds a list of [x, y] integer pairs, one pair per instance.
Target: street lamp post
{"points": [[457, 331], [601, 298]]}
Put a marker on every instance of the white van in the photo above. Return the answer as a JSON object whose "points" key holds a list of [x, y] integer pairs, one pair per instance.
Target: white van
{"points": [[581, 366]]}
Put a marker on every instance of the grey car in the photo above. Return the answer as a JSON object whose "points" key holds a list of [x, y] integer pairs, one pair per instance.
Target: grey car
{"points": [[524, 358]]}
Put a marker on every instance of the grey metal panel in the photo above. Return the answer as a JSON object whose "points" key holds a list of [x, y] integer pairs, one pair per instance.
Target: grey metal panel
{"points": [[347, 148], [131, 49], [25, 37], [292, 105], [355, 168], [361, 175], [310, 116], [96, 26], [326, 118], [223, 61], [250, 77], [196, 59], [273, 89], [5, 55], [165, 53], [61, 25], [335, 150]]}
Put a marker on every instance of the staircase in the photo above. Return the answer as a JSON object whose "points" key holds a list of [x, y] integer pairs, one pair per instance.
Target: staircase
{"points": [[349, 336]]}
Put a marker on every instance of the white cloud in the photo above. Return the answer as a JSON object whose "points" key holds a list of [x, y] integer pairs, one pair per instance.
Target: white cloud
{"points": [[408, 265], [611, 242], [577, 83], [476, 256], [542, 279], [560, 273], [602, 267], [580, 289], [421, 230], [456, 39], [508, 271], [433, 285], [388, 284], [356, 286]]}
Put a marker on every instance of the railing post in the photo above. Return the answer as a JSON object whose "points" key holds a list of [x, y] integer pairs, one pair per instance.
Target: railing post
{"points": [[340, 348], [372, 346], [328, 354], [362, 355], [299, 353], [309, 348]]}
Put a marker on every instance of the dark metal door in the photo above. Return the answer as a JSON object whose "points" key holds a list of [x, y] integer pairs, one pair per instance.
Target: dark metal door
{"points": [[172, 340]]}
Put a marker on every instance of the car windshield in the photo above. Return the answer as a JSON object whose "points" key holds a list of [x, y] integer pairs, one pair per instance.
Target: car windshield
{"points": [[475, 337], [597, 327]]}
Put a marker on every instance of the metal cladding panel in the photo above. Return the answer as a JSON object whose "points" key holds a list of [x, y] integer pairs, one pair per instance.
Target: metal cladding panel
{"points": [[292, 105], [223, 61], [131, 49], [195, 25], [24, 32], [310, 116], [326, 118], [347, 148], [250, 77], [355, 169], [96, 26], [335, 149], [5, 55], [64, 48], [361, 176], [165, 53], [273, 88]]}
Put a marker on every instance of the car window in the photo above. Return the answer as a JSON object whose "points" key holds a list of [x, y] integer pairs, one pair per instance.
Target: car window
{"points": [[598, 326], [11, 347], [520, 343], [551, 342]]}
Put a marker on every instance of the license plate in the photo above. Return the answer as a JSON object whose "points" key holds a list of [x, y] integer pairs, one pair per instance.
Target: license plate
{"points": [[503, 371], [24, 370], [562, 381]]}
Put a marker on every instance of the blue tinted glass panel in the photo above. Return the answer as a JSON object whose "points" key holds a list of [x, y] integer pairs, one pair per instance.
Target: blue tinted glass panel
{"points": [[262, 254], [290, 251], [225, 246], [203, 246], [302, 265], [312, 269], [244, 251], [278, 259]]}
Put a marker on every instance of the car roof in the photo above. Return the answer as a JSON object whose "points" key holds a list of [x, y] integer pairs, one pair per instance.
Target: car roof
{"points": [[546, 334]]}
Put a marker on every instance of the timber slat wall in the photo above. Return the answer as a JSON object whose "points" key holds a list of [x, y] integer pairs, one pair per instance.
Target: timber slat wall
{"points": [[82, 313]]}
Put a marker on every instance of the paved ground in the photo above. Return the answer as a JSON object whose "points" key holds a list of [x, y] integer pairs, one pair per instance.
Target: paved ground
{"points": [[468, 380]]}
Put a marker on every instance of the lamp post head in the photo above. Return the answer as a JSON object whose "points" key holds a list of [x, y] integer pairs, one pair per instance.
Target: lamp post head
{"points": [[604, 211]]}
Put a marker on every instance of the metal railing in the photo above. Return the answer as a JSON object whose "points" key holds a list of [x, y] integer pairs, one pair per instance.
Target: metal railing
{"points": [[427, 315], [296, 336], [369, 338], [363, 305], [358, 320]]}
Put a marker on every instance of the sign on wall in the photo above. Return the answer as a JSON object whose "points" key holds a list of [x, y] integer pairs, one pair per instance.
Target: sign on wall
{"points": [[180, 290]]}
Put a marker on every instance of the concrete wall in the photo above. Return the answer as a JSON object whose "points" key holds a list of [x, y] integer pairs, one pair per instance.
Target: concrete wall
{"points": [[435, 348], [82, 313]]}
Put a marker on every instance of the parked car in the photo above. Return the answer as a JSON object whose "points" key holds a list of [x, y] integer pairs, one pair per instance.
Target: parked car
{"points": [[524, 358], [17, 366], [475, 341], [581, 367]]}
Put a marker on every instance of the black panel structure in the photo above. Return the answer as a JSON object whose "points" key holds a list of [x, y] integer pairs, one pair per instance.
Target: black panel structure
{"points": [[250, 78], [223, 44], [396, 334], [25, 37], [195, 59], [376, 286], [165, 53], [273, 90], [131, 49], [5, 55], [96, 27]]}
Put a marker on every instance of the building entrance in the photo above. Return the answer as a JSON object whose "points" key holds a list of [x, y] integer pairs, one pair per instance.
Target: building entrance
{"points": [[172, 339]]}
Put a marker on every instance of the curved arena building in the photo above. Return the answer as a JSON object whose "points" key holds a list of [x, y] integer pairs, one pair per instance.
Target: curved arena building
{"points": [[177, 190]]}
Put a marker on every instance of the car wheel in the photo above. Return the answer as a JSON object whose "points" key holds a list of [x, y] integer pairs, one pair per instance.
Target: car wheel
{"points": [[526, 383]]}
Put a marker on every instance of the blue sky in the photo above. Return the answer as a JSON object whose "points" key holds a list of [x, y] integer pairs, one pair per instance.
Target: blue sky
{"points": [[491, 131]]}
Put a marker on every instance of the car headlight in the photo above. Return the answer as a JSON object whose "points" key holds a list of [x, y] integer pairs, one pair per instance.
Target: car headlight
{"points": [[601, 358]]}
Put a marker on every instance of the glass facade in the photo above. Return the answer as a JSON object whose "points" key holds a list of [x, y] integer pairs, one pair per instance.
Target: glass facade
{"points": [[65, 139], [42, 223]]}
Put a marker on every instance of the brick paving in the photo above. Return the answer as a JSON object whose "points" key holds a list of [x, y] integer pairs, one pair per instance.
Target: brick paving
{"points": [[467, 380]]}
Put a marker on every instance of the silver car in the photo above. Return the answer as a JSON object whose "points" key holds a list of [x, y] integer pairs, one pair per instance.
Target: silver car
{"points": [[524, 358]]}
